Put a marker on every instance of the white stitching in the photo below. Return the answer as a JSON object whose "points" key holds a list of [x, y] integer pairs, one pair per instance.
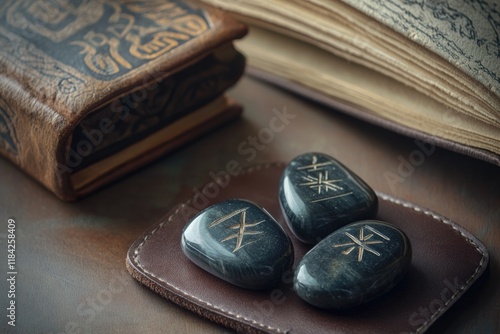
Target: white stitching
{"points": [[138, 249], [447, 222]]}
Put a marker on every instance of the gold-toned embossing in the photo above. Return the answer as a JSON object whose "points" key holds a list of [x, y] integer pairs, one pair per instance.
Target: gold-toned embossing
{"points": [[160, 43], [56, 20], [241, 227], [363, 242], [35, 62], [113, 37], [104, 63], [162, 7], [120, 23], [192, 25]]}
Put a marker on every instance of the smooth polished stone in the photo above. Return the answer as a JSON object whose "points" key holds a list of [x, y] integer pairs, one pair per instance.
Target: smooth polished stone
{"points": [[319, 195], [353, 265], [239, 242]]}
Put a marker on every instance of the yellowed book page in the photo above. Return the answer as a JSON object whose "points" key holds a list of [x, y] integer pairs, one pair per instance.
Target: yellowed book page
{"points": [[348, 33], [347, 81]]}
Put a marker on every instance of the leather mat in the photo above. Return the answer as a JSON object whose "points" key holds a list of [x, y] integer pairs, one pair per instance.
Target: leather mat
{"points": [[446, 261]]}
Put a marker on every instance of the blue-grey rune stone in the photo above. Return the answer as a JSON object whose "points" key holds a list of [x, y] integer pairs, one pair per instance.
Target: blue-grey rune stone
{"points": [[353, 265], [240, 243], [318, 195]]}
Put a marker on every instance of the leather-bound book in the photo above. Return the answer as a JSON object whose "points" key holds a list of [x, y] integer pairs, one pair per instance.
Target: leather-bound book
{"points": [[93, 89]]}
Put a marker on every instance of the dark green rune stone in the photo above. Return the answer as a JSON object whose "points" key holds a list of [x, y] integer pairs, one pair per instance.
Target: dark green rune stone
{"points": [[240, 243], [318, 195], [353, 265]]}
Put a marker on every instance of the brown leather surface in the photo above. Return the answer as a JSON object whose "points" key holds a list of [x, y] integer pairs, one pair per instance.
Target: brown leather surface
{"points": [[447, 260], [72, 276], [57, 68]]}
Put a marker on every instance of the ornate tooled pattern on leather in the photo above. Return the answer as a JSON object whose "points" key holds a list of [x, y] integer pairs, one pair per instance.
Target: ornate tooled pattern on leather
{"points": [[67, 83], [8, 137], [150, 108], [109, 38]]}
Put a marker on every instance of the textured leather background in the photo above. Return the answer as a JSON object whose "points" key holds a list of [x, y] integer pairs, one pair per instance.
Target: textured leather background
{"points": [[72, 275], [447, 260]]}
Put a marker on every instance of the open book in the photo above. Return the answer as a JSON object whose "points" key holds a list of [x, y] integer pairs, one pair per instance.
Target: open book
{"points": [[428, 69]]}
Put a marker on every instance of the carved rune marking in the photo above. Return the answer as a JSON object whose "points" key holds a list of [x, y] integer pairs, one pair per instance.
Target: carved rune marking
{"points": [[314, 166], [241, 227], [362, 243], [321, 183]]}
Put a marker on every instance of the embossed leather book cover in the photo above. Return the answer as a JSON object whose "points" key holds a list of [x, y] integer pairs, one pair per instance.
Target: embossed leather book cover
{"points": [[93, 89], [426, 69]]}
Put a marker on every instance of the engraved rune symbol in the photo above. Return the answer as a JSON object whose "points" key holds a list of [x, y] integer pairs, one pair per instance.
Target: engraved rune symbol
{"points": [[315, 165], [321, 182], [241, 228], [363, 242]]}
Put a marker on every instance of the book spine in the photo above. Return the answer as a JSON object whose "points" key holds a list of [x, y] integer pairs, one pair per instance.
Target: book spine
{"points": [[30, 134]]}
